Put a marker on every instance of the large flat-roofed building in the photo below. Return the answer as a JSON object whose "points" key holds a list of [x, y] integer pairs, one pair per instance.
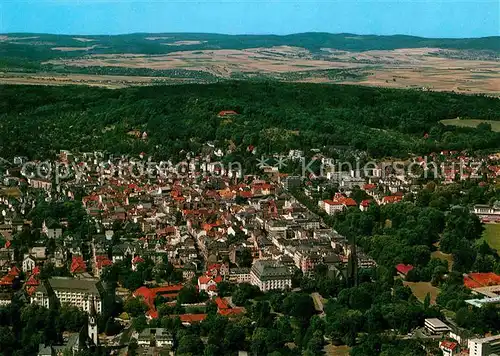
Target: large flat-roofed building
{"points": [[484, 347], [270, 274], [436, 326], [70, 291]]}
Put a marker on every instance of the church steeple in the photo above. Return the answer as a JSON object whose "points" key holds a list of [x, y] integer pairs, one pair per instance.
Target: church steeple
{"points": [[352, 264], [92, 323]]}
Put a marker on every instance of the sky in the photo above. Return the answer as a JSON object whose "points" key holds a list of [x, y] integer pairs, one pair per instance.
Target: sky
{"points": [[427, 18]]}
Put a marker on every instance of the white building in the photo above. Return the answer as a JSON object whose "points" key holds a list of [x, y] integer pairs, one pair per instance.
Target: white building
{"points": [[71, 291], [158, 337], [484, 347], [239, 275], [5, 299], [270, 274], [28, 263], [436, 326]]}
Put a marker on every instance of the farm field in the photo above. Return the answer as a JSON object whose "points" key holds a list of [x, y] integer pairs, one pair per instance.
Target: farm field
{"points": [[491, 235], [495, 125], [417, 68], [382, 61]]}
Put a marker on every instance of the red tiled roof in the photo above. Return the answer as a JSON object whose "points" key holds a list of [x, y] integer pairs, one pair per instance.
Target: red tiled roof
{"points": [[366, 203], [392, 199], [349, 202], [476, 280], [192, 318], [7, 280], [451, 345], [227, 112], [204, 279], [137, 259], [231, 311], [149, 294], [245, 194], [31, 290], [470, 283], [221, 303], [32, 281], [404, 269], [14, 271], [152, 313], [78, 265], [102, 261]]}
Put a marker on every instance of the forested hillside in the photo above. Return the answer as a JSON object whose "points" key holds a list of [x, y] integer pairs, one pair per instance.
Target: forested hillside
{"points": [[38, 121]]}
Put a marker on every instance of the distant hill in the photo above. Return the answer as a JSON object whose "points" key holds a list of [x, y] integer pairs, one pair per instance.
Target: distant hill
{"points": [[444, 64], [40, 46]]}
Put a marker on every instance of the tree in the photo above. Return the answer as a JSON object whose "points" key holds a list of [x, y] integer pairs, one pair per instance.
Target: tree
{"points": [[132, 348], [132, 280], [234, 339], [140, 323], [187, 295], [224, 289], [7, 340], [190, 344], [135, 306], [300, 306], [72, 318], [112, 327]]}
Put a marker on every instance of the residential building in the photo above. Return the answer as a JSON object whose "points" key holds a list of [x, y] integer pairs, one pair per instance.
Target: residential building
{"points": [[484, 347], [449, 348], [5, 298], [156, 337], [239, 275]]}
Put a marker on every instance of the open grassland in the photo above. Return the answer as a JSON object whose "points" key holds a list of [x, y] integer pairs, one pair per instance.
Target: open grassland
{"points": [[13, 192], [443, 256], [491, 235], [495, 125], [420, 290], [332, 350]]}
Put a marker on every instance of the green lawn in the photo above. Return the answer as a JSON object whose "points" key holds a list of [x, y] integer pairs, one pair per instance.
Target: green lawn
{"points": [[495, 125], [491, 235]]}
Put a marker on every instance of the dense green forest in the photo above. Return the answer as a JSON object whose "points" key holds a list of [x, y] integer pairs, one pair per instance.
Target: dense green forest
{"points": [[274, 117]]}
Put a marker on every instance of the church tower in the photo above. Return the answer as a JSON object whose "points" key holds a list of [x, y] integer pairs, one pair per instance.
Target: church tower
{"points": [[352, 264], [92, 324]]}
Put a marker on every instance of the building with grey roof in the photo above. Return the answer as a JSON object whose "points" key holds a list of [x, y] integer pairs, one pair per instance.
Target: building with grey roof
{"points": [[270, 274], [70, 291], [158, 337]]}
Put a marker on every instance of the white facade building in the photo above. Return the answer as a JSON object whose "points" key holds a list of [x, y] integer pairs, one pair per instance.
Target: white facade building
{"points": [[270, 274], [70, 291], [484, 347]]}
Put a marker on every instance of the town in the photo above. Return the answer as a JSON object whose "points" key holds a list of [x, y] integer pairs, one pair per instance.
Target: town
{"points": [[109, 260]]}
